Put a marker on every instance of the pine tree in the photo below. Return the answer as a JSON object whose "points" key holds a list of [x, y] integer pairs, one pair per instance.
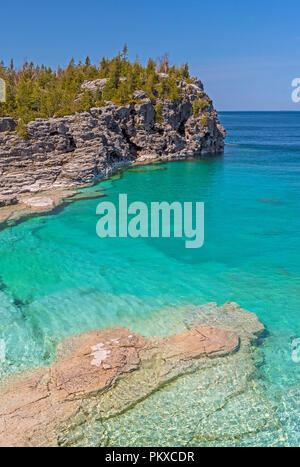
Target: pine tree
{"points": [[122, 95], [124, 53], [112, 85], [39, 91], [134, 77], [151, 69], [150, 87], [87, 101], [185, 71], [104, 68], [27, 99]]}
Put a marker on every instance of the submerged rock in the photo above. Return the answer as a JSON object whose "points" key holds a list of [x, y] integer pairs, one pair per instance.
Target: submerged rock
{"points": [[91, 391], [40, 202], [27, 206]]}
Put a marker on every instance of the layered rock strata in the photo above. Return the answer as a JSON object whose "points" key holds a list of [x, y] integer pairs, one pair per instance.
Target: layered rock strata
{"points": [[79, 149]]}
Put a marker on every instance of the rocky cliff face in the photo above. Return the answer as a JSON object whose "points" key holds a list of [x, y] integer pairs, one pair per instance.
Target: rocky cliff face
{"points": [[78, 149]]}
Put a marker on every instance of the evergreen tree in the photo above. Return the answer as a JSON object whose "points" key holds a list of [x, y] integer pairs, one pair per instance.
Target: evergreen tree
{"points": [[135, 77], [39, 91], [124, 53], [185, 71], [123, 93], [27, 102], [104, 68], [151, 69], [87, 101], [112, 85]]}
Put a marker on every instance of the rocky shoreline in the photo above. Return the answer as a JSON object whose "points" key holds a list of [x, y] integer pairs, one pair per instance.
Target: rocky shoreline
{"points": [[99, 378], [37, 204], [67, 152]]}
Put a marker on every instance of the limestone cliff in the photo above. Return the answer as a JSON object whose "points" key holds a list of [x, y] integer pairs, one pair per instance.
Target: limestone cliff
{"points": [[78, 149]]}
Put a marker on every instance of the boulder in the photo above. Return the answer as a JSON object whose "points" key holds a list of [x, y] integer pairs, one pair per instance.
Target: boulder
{"points": [[139, 94], [7, 124], [40, 202], [94, 85]]}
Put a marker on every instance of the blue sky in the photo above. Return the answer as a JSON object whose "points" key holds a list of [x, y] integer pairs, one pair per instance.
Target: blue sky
{"points": [[246, 52]]}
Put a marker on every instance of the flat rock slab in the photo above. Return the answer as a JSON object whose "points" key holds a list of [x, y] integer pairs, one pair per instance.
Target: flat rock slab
{"points": [[40, 202], [36, 405], [199, 342], [19, 209]]}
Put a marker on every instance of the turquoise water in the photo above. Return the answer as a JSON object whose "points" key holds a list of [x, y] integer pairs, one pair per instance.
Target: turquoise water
{"points": [[58, 278]]}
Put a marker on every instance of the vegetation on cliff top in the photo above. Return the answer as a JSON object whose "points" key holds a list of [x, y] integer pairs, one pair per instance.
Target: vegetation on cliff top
{"points": [[41, 92]]}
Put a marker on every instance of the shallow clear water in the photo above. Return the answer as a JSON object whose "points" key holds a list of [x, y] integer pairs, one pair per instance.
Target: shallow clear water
{"points": [[58, 278]]}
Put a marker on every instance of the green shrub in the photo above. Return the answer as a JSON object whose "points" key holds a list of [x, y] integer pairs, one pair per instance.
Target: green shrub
{"points": [[198, 106], [204, 119], [21, 130], [158, 113]]}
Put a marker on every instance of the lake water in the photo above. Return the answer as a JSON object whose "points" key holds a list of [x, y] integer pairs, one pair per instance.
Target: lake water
{"points": [[58, 278]]}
